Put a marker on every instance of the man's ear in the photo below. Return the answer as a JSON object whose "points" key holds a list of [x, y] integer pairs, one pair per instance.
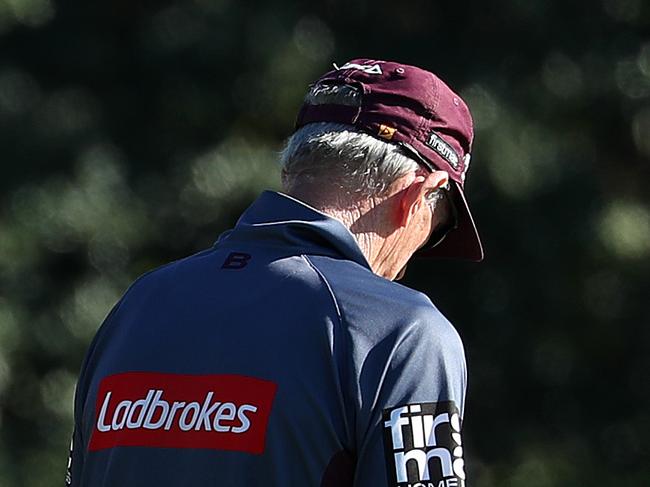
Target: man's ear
{"points": [[410, 201], [414, 196]]}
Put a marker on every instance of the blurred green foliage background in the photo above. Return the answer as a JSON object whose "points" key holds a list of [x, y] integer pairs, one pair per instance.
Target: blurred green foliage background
{"points": [[133, 133]]}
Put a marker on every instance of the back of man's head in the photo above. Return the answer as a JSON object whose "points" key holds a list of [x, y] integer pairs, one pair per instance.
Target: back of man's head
{"points": [[368, 124], [332, 164]]}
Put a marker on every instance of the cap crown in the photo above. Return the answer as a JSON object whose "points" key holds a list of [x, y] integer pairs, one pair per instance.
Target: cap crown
{"points": [[399, 103]]}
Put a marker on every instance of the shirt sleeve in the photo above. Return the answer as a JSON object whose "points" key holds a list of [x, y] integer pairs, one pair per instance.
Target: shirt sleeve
{"points": [[413, 434]]}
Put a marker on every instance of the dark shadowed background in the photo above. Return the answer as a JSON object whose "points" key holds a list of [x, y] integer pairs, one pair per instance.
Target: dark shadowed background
{"points": [[134, 132]]}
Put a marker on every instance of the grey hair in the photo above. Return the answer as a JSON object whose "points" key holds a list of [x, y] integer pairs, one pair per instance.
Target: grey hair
{"points": [[336, 156]]}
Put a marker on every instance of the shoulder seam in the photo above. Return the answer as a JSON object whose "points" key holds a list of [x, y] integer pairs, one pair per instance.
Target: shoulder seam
{"points": [[327, 285], [349, 428]]}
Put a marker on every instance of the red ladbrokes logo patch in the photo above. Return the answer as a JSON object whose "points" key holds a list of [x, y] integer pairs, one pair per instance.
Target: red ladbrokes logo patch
{"points": [[221, 412]]}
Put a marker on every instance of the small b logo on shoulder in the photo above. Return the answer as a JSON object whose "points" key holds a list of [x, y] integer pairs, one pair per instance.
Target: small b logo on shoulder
{"points": [[236, 260], [423, 445]]}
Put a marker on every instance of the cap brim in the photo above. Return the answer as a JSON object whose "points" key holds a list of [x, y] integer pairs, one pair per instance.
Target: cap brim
{"points": [[463, 242]]}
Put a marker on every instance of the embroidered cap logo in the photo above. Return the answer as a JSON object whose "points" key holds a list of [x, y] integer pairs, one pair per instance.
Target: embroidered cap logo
{"points": [[386, 132], [368, 69], [445, 150]]}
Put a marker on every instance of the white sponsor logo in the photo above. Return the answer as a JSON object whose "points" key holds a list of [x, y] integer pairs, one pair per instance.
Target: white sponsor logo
{"points": [[426, 448], [366, 68], [444, 149], [153, 412]]}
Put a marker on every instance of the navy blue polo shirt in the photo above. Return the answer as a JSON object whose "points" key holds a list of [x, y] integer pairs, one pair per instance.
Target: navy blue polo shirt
{"points": [[275, 358]]}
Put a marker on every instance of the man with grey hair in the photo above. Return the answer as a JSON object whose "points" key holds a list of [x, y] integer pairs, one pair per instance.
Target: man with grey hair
{"points": [[285, 354]]}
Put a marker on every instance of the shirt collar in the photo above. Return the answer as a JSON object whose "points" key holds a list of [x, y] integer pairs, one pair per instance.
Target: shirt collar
{"points": [[278, 219]]}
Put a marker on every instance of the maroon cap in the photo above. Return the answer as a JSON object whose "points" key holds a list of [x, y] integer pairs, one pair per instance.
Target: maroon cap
{"points": [[414, 109]]}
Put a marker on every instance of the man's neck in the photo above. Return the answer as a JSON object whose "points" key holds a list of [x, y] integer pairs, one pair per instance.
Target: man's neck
{"points": [[374, 246], [366, 221]]}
